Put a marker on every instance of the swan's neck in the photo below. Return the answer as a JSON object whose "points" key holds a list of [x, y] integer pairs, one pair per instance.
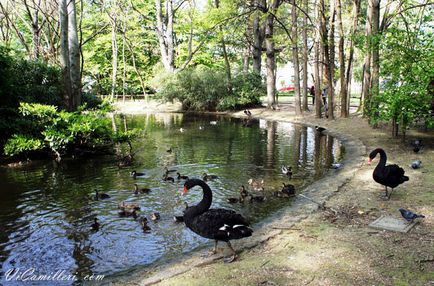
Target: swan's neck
{"points": [[204, 204], [383, 159]]}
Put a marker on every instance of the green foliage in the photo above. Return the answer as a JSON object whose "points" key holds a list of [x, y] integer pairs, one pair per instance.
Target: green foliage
{"points": [[21, 144], [202, 88], [62, 132], [407, 70]]}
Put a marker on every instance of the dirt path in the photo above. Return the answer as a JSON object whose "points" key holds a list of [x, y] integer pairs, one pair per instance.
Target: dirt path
{"points": [[325, 248]]}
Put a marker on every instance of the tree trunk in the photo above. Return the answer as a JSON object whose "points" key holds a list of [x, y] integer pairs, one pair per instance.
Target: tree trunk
{"points": [[305, 55], [114, 54], [258, 39], [367, 65], [64, 53], [318, 9], [355, 17], [164, 30], [74, 56], [271, 61], [226, 58], [375, 76], [343, 82], [331, 62], [295, 58]]}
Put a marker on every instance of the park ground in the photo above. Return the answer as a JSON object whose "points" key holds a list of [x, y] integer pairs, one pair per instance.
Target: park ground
{"points": [[334, 246]]}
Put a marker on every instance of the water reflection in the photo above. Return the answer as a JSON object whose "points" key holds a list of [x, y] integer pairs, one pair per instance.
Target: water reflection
{"points": [[46, 210]]}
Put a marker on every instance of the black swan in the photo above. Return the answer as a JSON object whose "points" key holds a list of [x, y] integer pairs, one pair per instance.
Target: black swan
{"points": [[218, 224], [409, 215], [138, 190], [95, 226], [388, 176], [101, 196], [207, 177]]}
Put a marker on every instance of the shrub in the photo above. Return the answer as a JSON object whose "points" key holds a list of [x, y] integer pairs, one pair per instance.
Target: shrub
{"points": [[62, 132], [202, 88]]}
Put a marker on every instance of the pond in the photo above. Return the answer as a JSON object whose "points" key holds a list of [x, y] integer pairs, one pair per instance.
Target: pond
{"points": [[46, 210]]}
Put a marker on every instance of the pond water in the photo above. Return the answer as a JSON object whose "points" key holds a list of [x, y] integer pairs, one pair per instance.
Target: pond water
{"points": [[46, 210]]}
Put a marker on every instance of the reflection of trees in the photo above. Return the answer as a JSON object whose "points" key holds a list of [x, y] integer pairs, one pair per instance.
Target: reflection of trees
{"points": [[271, 142], [317, 154], [304, 145], [296, 148]]}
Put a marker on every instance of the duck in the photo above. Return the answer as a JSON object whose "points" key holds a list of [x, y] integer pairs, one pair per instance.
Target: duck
{"points": [[415, 164], [155, 216], [169, 150], [320, 129], [216, 224], [181, 218], [243, 192], [128, 212], [143, 221], [125, 161], [95, 226], [135, 174], [167, 171], [256, 185], [287, 170], [409, 216], [166, 177], [181, 130], [138, 190], [247, 112], [388, 176], [288, 189], [257, 198], [129, 206], [101, 196], [181, 177], [243, 195], [207, 177], [213, 122]]}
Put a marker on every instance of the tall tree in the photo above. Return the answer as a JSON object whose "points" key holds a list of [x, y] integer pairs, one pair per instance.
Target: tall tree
{"points": [[329, 50], [319, 8], [271, 53], [74, 56], [64, 52], [368, 56], [295, 60], [341, 53], [305, 55], [258, 35], [165, 33]]}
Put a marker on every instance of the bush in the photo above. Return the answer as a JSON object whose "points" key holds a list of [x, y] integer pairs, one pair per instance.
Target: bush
{"points": [[205, 89], [62, 132]]}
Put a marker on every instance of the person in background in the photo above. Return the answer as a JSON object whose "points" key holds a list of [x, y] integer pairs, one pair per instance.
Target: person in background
{"points": [[312, 93]]}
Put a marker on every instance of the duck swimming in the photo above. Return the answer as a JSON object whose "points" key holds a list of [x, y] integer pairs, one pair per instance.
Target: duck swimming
{"points": [[181, 177], [101, 196], [135, 174], [207, 177], [217, 224], [138, 190], [95, 226]]}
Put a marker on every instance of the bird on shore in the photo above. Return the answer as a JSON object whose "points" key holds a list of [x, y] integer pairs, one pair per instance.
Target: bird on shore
{"points": [[247, 112], [135, 174], [256, 185], [320, 129], [416, 164], [388, 176], [217, 224], [95, 226], [417, 145], [287, 170], [101, 196], [409, 216], [138, 190]]}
